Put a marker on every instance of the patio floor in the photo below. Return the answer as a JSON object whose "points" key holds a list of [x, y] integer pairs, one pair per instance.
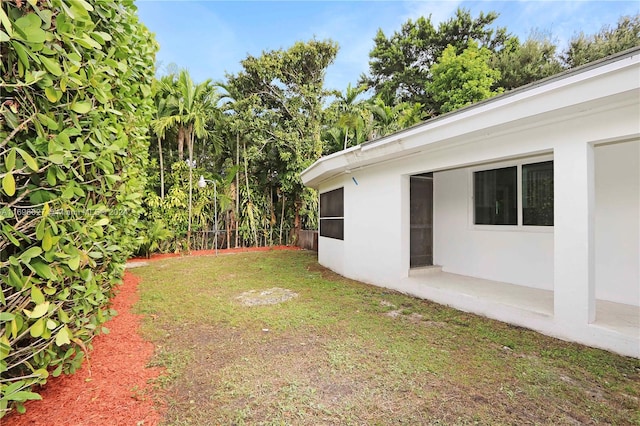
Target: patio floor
{"points": [[624, 319], [617, 317]]}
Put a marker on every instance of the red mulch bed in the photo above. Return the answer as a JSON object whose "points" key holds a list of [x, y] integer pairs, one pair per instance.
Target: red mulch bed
{"points": [[113, 387]]}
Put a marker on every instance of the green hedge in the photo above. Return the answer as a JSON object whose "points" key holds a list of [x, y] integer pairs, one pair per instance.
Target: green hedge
{"points": [[76, 106]]}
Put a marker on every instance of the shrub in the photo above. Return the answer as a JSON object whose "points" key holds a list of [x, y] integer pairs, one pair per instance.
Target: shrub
{"points": [[76, 106]]}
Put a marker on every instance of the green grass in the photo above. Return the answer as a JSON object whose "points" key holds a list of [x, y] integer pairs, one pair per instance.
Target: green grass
{"points": [[334, 355]]}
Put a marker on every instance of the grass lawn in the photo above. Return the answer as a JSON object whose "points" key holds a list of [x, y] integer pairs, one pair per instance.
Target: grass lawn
{"points": [[343, 352]]}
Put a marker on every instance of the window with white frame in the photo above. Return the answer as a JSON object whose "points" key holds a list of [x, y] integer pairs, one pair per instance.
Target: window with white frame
{"points": [[332, 214], [515, 195]]}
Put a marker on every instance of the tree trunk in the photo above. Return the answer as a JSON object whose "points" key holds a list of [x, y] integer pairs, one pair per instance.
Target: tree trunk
{"points": [[246, 177], [228, 228], [297, 224], [181, 144], [161, 168], [190, 149], [284, 200], [272, 219], [346, 134], [237, 215]]}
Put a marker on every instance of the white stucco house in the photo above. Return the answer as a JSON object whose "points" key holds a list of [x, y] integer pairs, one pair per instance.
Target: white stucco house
{"points": [[524, 208]]}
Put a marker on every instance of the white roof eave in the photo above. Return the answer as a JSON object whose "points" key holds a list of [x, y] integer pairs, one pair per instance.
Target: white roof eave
{"points": [[561, 93]]}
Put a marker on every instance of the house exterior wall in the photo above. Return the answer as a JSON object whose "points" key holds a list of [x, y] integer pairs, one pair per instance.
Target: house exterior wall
{"points": [[597, 260], [372, 225], [518, 256], [371, 228], [331, 252], [376, 208], [588, 124], [374, 202], [617, 222], [525, 257]]}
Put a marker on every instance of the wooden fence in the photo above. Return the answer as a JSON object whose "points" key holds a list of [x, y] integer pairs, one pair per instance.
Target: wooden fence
{"points": [[308, 240]]}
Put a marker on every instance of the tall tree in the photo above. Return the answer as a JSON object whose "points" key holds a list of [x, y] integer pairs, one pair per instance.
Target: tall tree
{"points": [[161, 90], [284, 92], [400, 66], [584, 49], [375, 119], [231, 127], [350, 111], [461, 79], [192, 107], [521, 64]]}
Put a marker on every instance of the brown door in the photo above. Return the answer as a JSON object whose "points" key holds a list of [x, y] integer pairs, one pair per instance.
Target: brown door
{"points": [[421, 211]]}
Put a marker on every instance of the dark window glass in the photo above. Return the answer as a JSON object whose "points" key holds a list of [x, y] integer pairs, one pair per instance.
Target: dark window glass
{"points": [[496, 197], [332, 214], [332, 203], [537, 194], [332, 228]]}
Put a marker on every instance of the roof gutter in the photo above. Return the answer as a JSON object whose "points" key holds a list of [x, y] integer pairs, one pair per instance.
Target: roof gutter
{"points": [[481, 115]]}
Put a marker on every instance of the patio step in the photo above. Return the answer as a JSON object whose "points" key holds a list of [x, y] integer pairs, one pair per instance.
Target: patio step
{"points": [[425, 270]]}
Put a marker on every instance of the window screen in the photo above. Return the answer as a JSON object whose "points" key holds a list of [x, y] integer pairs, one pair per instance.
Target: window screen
{"points": [[537, 194], [496, 197], [332, 214]]}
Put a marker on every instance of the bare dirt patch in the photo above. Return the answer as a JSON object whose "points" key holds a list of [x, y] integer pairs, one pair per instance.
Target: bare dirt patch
{"points": [[414, 317], [135, 264], [394, 314], [271, 296]]}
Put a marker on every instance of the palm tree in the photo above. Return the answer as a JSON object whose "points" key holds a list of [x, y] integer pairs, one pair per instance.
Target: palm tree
{"points": [[191, 108], [351, 111], [388, 119], [384, 118], [162, 92], [410, 113], [235, 125]]}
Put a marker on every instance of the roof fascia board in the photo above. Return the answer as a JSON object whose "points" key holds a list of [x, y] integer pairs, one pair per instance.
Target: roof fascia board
{"points": [[566, 90]]}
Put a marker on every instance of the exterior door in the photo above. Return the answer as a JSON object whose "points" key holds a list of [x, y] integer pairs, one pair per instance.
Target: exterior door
{"points": [[421, 212]]}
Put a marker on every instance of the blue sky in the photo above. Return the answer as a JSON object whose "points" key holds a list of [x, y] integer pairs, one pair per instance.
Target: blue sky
{"points": [[210, 38]]}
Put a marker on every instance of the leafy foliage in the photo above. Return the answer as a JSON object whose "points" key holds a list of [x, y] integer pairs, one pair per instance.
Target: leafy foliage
{"points": [[352, 123], [584, 48], [521, 64], [73, 143], [278, 98], [459, 80], [400, 66], [167, 219], [155, 233], [276, 117]]}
